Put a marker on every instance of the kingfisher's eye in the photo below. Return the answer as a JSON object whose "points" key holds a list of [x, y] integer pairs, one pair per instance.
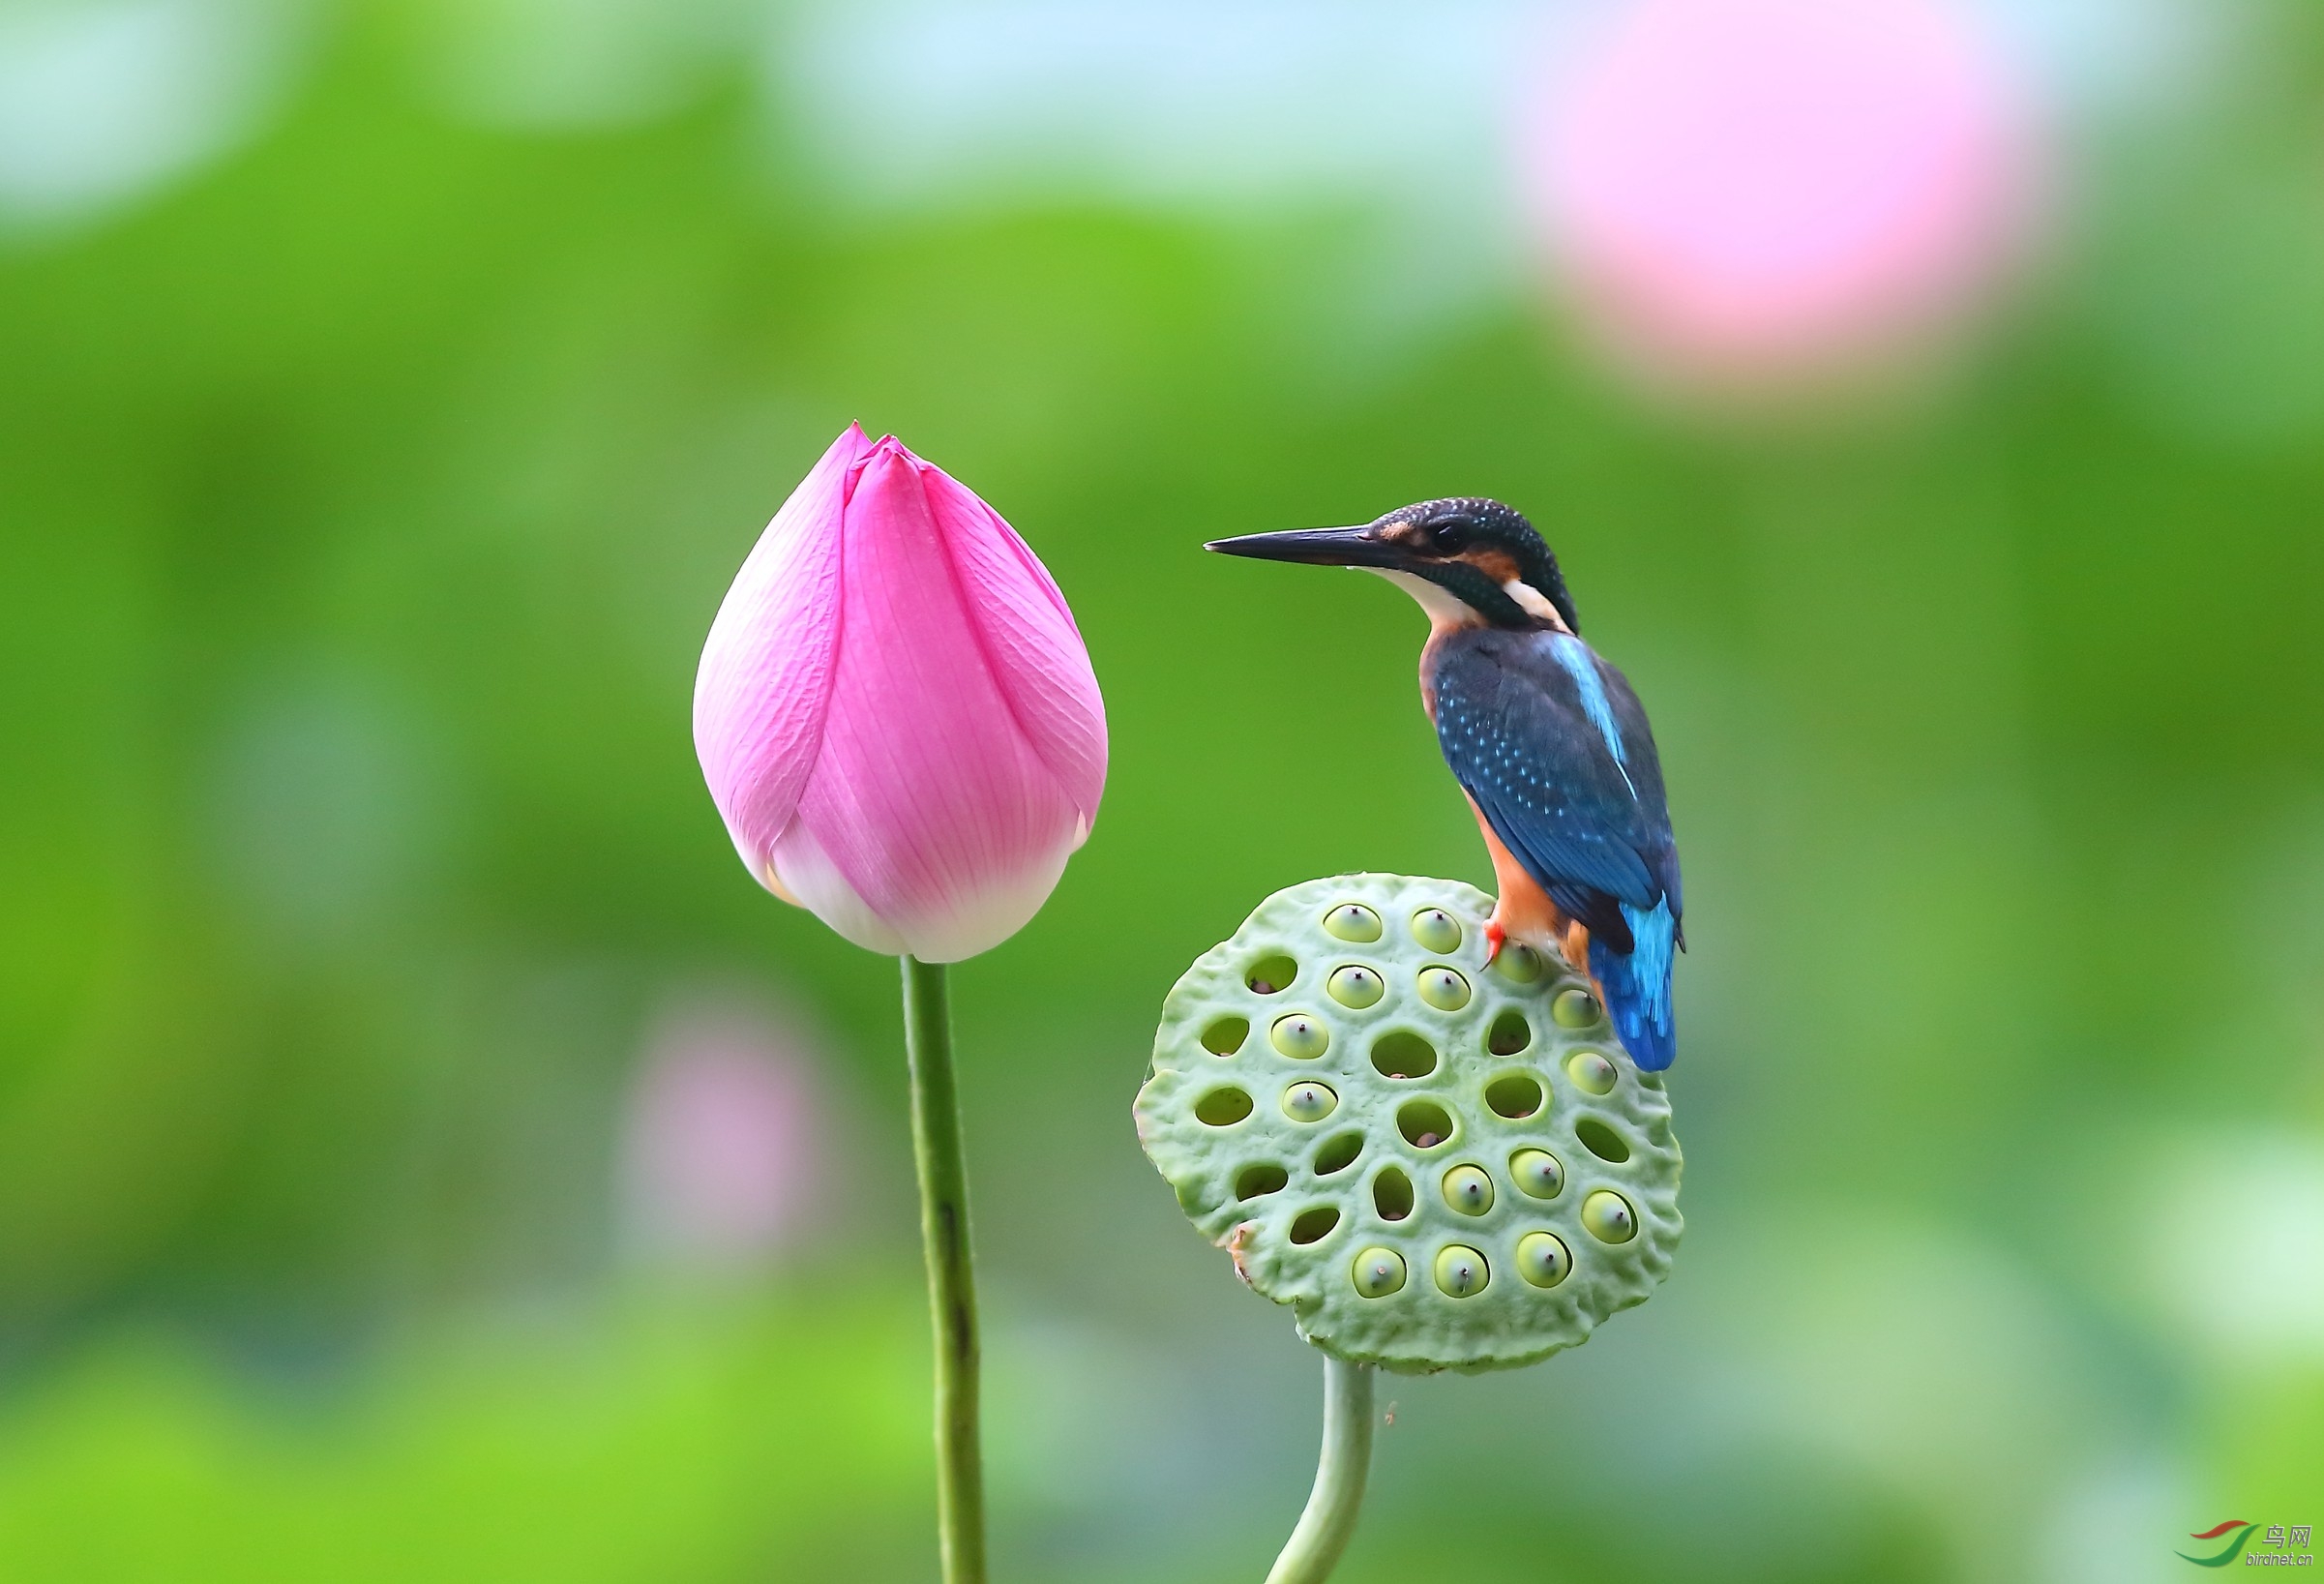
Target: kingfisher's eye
{"points": [[1448, 536]]}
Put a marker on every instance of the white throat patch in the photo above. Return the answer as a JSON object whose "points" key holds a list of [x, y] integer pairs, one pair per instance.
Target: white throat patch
{"points": [[1444, 609], [1533, 601]]}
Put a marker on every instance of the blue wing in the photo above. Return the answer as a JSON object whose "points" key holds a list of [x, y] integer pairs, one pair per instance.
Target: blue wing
{"points": [[1553, 746]]}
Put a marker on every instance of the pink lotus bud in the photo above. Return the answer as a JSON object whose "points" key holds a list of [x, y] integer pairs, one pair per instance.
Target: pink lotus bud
{"points": [[1761, 189], [895, 712]]}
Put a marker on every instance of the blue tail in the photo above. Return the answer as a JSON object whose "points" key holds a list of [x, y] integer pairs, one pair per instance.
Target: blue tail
{"points": [[1637, 987]]}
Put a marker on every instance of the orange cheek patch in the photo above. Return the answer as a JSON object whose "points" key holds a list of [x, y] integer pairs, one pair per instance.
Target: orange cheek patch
{"points": [[1495, 564]]}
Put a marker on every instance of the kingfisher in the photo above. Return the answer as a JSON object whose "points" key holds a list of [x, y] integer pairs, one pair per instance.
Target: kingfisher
{"points": [[1545, 737]]}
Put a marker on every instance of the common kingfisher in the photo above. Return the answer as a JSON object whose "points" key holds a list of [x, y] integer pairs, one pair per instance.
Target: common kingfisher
{"points": [[1545, 737]]}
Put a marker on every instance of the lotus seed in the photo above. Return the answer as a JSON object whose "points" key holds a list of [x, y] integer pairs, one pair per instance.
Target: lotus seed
{"points": [[1443, 989], [1542, 1260], [1591, 1071], [1356, 986], [1461, 1271], [1469, 1190], [1308, 1102], [1436, 930], [1574, 1009], [1609, 1218], [1352, 921], [1424, 1124], [1299, 1036], [1518, 964], [1537, 1174], [1379, 1272]]}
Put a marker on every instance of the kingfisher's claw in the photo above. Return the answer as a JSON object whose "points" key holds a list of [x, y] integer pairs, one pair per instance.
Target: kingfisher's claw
{"points": [[1495, 936]]}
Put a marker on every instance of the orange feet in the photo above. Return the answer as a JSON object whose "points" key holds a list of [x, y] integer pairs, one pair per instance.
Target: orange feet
{"points": [[1495, 937]]}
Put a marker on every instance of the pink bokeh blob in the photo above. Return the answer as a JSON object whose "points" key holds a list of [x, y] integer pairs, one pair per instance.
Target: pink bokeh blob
{"points": [[726, 1136], [1753, 190]]}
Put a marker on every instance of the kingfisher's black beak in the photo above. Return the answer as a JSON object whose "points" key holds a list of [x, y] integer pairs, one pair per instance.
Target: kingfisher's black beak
{"points": [[1318, 546]]}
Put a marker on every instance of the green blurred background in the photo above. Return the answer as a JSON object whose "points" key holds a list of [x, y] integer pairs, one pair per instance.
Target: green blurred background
{"points": [[425, 1153]]}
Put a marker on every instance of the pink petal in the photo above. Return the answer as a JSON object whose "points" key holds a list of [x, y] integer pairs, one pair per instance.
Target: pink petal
{"points": [[1030, 645], [930, 803], [763, 687]]}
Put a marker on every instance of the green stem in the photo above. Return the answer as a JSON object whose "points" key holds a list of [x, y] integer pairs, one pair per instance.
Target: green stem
{"points": [[935, 1145], [1315, 1546]]}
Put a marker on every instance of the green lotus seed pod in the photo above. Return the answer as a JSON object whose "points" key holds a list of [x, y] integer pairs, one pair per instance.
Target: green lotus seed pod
{"points": [[1356, 986], [1609, 1219], [1468, 1191], [1591, 1071], [1518, 963], [1378, 1272], [1308, 1101], [1437, 931], [1574, 1009], [1352, 921], [1306, 1203], [1299, 1036], [1443, 989], [1537, 1174], [1461, 1271], [1542, 1260]]}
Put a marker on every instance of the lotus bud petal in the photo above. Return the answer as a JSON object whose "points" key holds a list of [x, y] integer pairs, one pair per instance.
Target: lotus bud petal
{"points": [[895, 712]]}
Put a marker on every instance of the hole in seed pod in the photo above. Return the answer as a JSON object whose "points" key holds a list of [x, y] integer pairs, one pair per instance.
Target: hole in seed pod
{"points": [[1518, 964], [1402, 1054], [1222, 1107], [1443, 989], [1299, 1036], [1338, 1154], [1601, 1140], [1354, 985], [1352, 921], [1542, 1259], [1609, 1219], [1460, 1270], [1269, 974], [1377, 1272], [1225, 1036], [1574, 1009], [1258, 1181], [1537, 1172], [1468, 1191], [1393, 1194], [1514, 1095], [1308, 1101], [1313, 1225], [1510, 1034], [1591, 1071], [1436, 930], [1424, 1124]]}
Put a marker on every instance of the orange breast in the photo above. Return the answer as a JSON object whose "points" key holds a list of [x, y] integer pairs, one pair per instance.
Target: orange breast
{"points": [[1523, 911]]}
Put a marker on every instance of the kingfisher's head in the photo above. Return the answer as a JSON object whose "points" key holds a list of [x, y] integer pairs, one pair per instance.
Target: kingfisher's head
{"points": [[1468, 560]]}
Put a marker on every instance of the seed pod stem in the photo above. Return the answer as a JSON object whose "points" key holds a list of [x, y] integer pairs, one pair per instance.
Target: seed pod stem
{"points": [[1316, 1544]]}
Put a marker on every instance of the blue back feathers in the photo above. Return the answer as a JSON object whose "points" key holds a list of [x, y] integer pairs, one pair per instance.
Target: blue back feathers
{"points": [[1551, 743], [1574, 656]]}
